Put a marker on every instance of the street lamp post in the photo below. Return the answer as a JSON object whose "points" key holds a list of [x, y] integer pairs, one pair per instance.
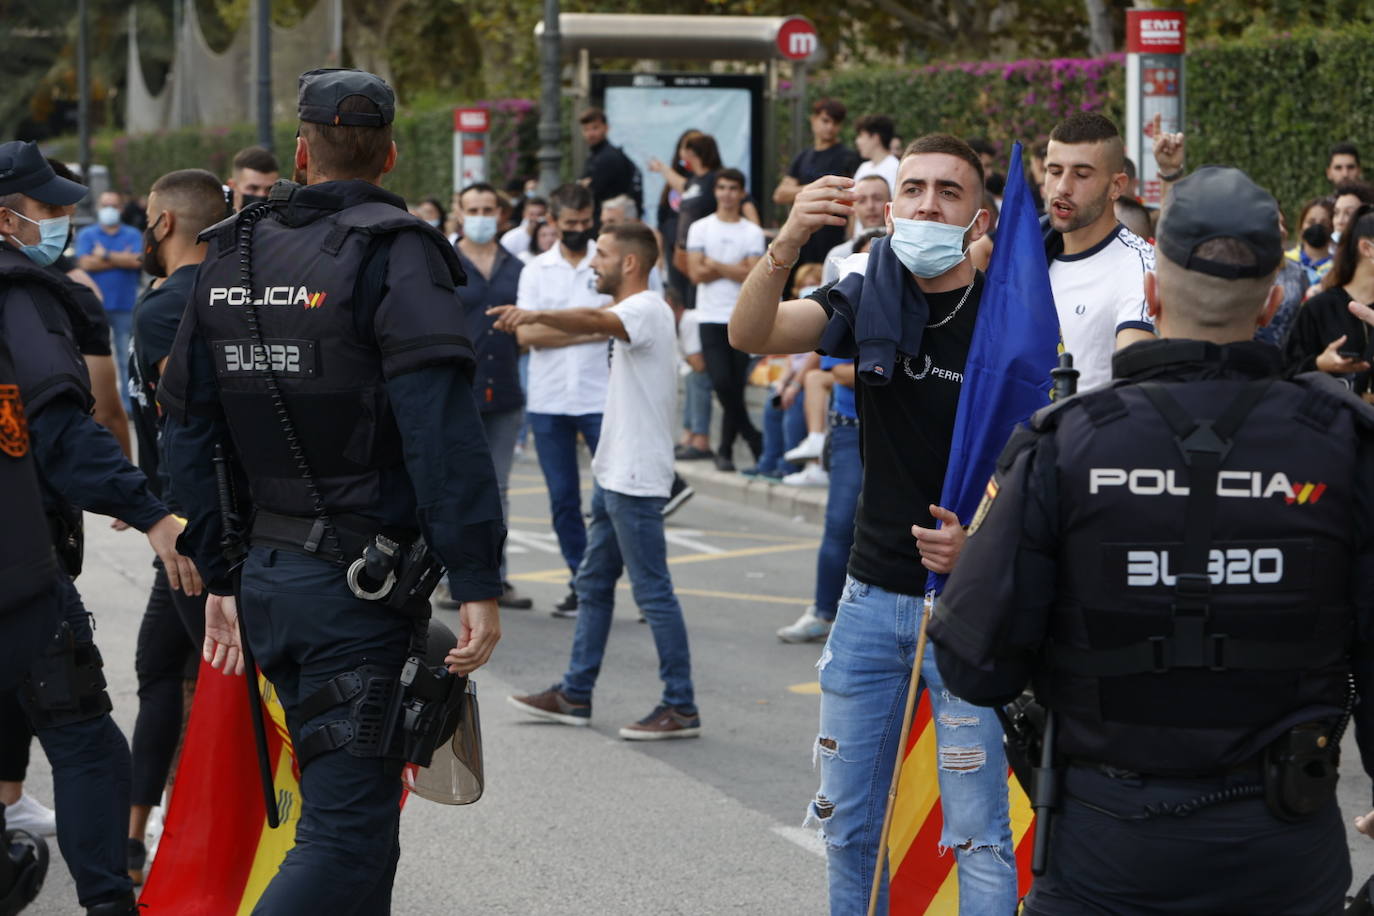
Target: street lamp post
{"points": [[550, 101], [264, 49]]}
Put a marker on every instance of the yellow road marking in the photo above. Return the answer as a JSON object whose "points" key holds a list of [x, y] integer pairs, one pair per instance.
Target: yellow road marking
{"points": [[560, 576], [810, 688], [742, 552]]}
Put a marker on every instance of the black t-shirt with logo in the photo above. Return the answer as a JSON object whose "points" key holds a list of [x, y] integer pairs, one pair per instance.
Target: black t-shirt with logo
{"points": [[157, 315], [905, 428]]}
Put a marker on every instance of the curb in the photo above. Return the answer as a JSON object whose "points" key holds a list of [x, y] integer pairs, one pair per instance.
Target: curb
{"points": [[804, 503]]}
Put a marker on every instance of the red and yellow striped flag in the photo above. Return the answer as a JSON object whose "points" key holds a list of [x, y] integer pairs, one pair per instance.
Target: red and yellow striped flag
{"points": [[923, 880], [217, 853]]}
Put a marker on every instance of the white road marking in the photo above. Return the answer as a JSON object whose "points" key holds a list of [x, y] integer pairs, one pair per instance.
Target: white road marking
{"points": [[685, 539], [547, 542], [803, 837]]}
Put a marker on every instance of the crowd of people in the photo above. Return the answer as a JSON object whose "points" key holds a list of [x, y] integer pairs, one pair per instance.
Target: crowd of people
{"points": [[579, 327]]}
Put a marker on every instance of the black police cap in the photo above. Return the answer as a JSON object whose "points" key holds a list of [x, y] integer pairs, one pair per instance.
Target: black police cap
{"points": [[1217, 202], [321, 91], [23, 170]]}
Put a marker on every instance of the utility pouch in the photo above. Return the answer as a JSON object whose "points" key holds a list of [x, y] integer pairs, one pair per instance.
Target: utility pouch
{"points": [[402, 577], [1300, 770]]}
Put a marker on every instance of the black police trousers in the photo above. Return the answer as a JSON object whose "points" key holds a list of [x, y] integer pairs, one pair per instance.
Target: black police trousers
{"points": [[168, 654], [306, 627], [90, 774], [1232, 858]]}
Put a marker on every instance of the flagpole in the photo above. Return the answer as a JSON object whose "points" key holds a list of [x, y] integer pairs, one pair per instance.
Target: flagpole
{"points": [[911, 693]]}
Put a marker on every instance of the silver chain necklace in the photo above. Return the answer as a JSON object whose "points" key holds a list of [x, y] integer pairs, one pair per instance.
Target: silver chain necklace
{"points": [[950, 317]]}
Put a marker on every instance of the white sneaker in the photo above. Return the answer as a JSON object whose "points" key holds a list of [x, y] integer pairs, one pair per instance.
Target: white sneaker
{"points": [[31, 815], [810, 447], [810, 476], [808, 628]]}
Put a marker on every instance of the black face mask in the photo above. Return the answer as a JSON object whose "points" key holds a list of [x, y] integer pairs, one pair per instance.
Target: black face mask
{"points": [[576, 242], [152, 262], [1316, 235]]}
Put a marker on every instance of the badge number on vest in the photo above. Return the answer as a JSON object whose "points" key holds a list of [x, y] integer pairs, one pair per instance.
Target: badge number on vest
{"points": [[285, 358]]}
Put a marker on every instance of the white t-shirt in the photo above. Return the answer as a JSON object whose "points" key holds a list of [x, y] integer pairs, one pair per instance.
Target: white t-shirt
{"points": [[689, 333], [635, 453], [569, 381], [1097, 293], [887, 169], [728, 243]]}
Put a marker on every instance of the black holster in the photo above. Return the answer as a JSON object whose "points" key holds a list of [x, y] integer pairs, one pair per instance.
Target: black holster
{"points": [[1300, 771], [431, 709], [1023, 724]]}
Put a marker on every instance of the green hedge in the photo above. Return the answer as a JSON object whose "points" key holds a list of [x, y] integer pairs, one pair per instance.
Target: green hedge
{"points": [[424, 140], [1271, 106], [1275, 106]]}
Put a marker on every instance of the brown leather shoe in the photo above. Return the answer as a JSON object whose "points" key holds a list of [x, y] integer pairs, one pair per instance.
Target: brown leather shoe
{"points": [[555, 706], [664, 722]]}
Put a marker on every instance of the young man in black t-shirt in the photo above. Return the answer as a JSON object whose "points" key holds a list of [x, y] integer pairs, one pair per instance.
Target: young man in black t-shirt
{"points": [[925, 294], [827, 156], [180, 205]]}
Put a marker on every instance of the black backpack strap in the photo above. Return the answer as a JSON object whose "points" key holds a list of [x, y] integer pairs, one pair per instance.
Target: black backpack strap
{"points": [[1204, 445]]}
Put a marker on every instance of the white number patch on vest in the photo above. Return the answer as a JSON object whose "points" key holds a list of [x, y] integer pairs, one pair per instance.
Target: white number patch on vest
{"points": [[1229, 566], [284, 358]]}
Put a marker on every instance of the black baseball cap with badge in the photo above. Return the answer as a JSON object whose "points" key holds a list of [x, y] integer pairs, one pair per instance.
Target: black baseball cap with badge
{"points": [[23, 170], [1218, 202], [321, 91]]}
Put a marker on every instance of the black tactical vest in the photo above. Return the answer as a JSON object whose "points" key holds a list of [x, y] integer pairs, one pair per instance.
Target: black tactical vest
{"points": [[27, 565], [43, 347], [324, 358], [1146, 680]]}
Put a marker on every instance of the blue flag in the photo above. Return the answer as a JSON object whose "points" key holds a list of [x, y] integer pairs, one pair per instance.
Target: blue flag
{"points": [[1015, 345]]}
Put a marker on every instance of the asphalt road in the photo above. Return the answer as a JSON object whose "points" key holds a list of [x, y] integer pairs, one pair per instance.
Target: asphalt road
{"points": [[577, 820]]}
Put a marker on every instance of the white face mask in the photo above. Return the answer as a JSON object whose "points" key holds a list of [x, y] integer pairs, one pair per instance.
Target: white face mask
{"points": [[108, 216]]}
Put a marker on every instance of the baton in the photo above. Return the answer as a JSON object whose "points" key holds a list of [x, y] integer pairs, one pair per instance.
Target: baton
{"points": [[231, 544]]}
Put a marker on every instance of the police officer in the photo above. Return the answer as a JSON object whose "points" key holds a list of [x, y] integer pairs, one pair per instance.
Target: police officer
{"points": [[80, 466], [28, 613], [325, 341], [1180, 564]]}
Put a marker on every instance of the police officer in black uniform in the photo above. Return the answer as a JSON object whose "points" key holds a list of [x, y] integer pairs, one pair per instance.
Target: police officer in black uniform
{"points": [[80, 466], [325, 341], [1182, 564]]}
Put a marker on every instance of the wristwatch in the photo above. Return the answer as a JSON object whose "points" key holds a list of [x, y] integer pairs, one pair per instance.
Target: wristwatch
{"points": [[1172, 176]]}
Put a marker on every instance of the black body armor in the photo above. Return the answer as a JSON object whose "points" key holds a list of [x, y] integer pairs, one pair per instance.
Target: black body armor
{"points": [[1153, 670]]}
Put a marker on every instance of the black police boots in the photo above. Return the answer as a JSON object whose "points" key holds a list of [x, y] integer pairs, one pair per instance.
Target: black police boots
{"points": [[124, 906]]}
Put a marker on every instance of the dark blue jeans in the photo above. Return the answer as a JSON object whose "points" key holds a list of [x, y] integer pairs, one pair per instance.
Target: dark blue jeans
{"points": [[90, 775], [555, 436], [782, 430], [306, 627], [842, 501], [627, 533]]}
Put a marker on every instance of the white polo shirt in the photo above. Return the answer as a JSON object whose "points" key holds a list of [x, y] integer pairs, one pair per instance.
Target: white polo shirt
{"points": [[1097, 293], [564, 380], [635, 453]]}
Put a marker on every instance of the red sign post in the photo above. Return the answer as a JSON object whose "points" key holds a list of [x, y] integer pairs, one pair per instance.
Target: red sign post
{"points": [[1154, 86], [470, 128], [797, 38]]}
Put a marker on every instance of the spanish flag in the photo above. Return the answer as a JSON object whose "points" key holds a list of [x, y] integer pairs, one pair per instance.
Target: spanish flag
{"points": [[922, 880], [217, 853]]}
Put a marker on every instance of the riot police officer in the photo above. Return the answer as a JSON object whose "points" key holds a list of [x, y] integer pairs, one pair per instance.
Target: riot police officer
{"points": [[325, 341], [80, 466], [1180, 564]]}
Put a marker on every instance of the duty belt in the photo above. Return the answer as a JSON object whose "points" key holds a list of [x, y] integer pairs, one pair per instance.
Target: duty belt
{"points": [[304, 535]]}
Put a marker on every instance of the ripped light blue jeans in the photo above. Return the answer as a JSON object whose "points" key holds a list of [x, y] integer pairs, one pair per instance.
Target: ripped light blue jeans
{"points": [[864, 672]]}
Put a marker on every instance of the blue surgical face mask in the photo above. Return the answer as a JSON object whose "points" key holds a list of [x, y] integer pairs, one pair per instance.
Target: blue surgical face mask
{"points": [[52, 238], [108, 216], [481, 229], [927, 248]]}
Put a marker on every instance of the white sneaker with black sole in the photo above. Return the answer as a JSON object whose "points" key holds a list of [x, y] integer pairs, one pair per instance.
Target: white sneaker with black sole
{"points": [[679, 494]]}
